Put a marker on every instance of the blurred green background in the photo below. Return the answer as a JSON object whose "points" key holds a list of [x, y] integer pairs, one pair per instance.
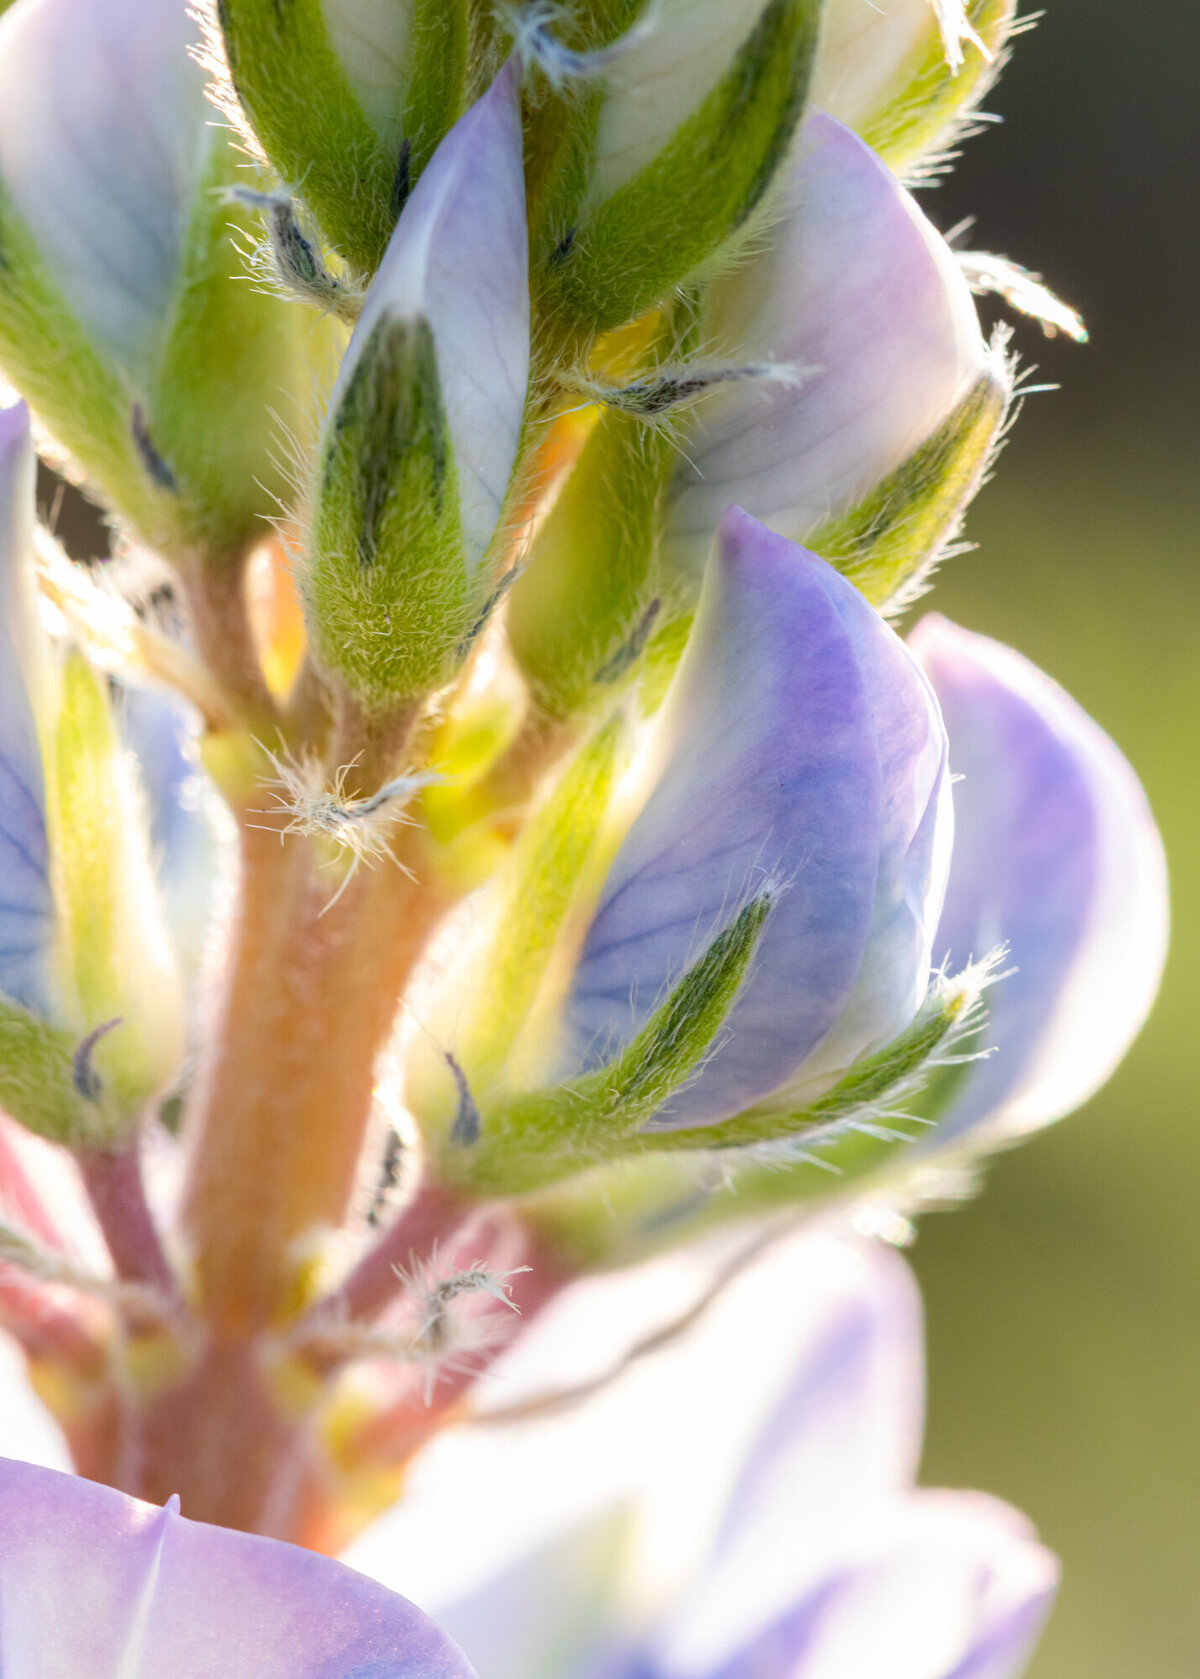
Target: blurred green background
{"points": [[1064, 1304]]}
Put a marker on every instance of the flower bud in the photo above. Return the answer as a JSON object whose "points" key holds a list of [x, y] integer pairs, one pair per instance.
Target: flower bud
{"points": [[794, 775], [799, 743], [90, 1009], [695, 117], [425, 422], [1056, 854], [346, 99], [123, 317], [907, 74], [870, 452]]}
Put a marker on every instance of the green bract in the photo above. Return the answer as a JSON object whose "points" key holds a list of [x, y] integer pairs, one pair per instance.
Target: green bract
{"points": [[347, 100], [609, 251]]}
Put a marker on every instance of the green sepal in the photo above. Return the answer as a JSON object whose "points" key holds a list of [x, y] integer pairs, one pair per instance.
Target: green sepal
{"points": [[890, 542], [683, 1183], [311, 125], [536, 1137], [674, 214], [932, 103], [542, 882], [116, 974], [389, 603], [38, 1078], [877, 1080], [582, 613]]}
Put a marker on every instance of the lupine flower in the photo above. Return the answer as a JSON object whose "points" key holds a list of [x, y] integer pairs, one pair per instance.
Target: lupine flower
{"points": [[859, 301], [95, 1585], [738, 1502], [1056, 856], [651, 802], [835, 384], [798, 748], [798, 763]]}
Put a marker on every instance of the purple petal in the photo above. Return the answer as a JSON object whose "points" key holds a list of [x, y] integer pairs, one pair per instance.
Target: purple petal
{"points": [[856, 291], [104, 133], [800, 746], [1056, 855], [26, 905], [96, 1584], [459, 259], [807, 1366], [945, 1586]]}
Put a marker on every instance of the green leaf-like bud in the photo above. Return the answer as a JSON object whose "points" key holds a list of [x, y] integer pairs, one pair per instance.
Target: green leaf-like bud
{"points": [[677, 163], [115, 963], [771, 1158], [40, 1084], [387, 588], [346, 99], [425, 424]]}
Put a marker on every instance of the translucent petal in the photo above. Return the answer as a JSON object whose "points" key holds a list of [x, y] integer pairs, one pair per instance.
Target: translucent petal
{"points": [[100, 1586], [1057, 855], [857, 293], [104, 132]]}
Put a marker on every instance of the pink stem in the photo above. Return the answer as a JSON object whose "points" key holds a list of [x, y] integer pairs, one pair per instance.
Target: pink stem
{"points": [[113, 1179], [433, 1215]]}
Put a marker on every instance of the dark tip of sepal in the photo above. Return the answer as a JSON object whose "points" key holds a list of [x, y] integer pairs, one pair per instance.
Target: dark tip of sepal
{"points": [[468, 1122], [87, 1080], [158, 469]]}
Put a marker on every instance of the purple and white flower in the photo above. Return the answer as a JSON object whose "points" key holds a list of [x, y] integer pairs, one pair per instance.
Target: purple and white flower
{"points": [[742, 1502], [860, 302], [800, 745]]}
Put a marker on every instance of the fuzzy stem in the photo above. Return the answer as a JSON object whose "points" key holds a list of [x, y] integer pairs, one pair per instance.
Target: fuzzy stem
{"points": [[280, 1115], [216, 602]]}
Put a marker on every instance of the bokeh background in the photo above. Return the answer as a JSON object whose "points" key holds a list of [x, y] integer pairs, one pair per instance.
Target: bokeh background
{"points": [[1064, 1304]]}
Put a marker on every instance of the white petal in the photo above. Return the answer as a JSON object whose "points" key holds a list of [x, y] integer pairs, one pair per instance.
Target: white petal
{"points": [[104, 130], [857, 292]]}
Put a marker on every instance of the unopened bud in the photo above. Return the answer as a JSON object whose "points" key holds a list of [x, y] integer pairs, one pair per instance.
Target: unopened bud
{"points": [[90, 1008], [694, 121], [425, 423], [346, 99], [906, 75]]}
